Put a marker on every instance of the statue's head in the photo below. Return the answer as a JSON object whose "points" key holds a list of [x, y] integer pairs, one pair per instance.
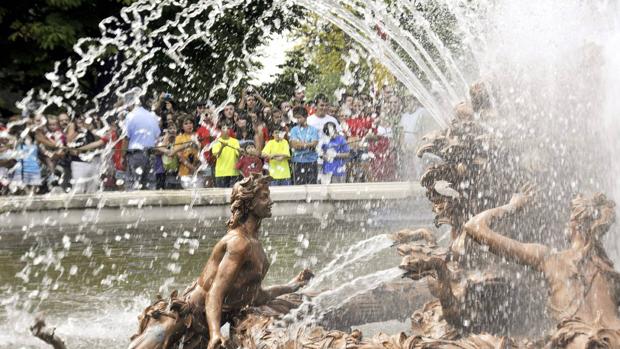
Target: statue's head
{"points": [[479, 95], [250, 196], [591, 216], [162, 324]]}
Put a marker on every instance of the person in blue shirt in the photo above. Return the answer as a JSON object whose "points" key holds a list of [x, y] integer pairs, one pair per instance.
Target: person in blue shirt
{"points": [[27, 172], [303, 139], [142, 128], [335, 152]]}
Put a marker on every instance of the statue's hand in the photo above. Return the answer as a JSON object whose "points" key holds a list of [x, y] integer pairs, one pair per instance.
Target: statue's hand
{"points": [[216, 342], [524, 197], [302, 279]]}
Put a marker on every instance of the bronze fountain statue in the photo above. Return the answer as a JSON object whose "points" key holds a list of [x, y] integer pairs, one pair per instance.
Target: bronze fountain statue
{"points": [[230, 283]]}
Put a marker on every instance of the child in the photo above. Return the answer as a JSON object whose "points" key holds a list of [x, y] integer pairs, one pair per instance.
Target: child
{"points": [[335, 152], [187, 154], [169, 158], [249, 162], [278, 152], [226, 152], [27, 172]]}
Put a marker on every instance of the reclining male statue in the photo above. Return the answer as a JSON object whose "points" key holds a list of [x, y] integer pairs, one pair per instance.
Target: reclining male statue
{"points": [[230, 282], [583, 285]]}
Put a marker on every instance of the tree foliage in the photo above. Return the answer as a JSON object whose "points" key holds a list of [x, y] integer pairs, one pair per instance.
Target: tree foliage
{"points": [[34, 34]]}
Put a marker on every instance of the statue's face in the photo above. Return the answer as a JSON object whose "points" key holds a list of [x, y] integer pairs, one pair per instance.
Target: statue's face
{"points": [[263, 203], [592, 227]]}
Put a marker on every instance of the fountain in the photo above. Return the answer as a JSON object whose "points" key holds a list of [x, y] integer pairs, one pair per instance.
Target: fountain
{"points": [[543, 114]]}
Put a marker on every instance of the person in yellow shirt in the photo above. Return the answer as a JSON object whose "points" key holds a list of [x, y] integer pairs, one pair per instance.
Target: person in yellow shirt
{"points": [[226, 152], [278, 153], [188, 154]]}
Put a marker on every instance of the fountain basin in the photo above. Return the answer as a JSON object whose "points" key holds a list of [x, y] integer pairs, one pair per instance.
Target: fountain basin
{"points": [[337, 201]]}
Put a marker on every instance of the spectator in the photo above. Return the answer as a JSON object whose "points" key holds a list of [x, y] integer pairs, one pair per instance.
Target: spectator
{"points": [[358, 129], [7, 159], [335, 152], [169, 158], [51, 157], [244, 130], [382, 154], [171, 119], [65, 162], [275, 118], [320, 118], [250, 99], [287, 110], [346, 104], [207, 162], [117, 155], [188, 155], [64, 121], [303, 140], [201, 113], [226, 152], [267, 116], [278, 153], [284, 119], [164, 105], [85, 157], [142, 130], [250, 162], [261, 130], [227, 115], [333, 110], [27, 170], [413, 124], [299, 97]]}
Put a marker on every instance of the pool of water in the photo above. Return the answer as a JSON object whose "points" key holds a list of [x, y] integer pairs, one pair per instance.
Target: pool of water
{"points": [[91, 282]]}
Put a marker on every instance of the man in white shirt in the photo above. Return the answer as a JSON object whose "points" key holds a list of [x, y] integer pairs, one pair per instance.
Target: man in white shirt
{"points": [[320, 118], [414, 124]]}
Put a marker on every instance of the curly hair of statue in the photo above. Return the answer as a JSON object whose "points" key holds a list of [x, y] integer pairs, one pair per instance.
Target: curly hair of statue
{"points": [[595, 214], [242, 197]]}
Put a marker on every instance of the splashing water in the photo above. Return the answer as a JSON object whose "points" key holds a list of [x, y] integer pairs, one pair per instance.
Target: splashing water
{"points": [[331, 299], [335, 271]]}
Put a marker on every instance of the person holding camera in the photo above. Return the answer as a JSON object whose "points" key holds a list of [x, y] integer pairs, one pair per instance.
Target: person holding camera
{"points": [[250, 99], [164, 105]]}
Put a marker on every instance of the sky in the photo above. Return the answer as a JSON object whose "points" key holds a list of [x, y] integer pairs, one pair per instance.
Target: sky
{"points": [[272, 54]]}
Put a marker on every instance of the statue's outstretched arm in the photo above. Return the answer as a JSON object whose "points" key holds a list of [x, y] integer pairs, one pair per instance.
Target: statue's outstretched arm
{"points": [[271, 292], [524, 253]]}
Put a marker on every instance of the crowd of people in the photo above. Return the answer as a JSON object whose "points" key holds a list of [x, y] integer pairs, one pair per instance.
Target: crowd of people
{"points": [[154, 145]]}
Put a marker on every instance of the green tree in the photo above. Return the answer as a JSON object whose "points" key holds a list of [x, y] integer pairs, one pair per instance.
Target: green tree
{"points": [[323, 63], [34, 34]]}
